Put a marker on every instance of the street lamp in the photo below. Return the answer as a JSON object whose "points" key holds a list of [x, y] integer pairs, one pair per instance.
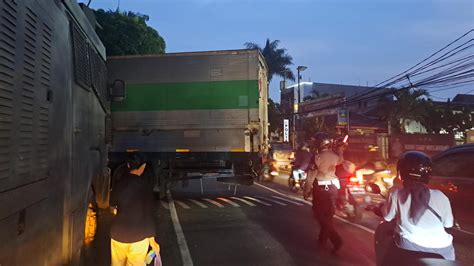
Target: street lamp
{"points": [[299, 69]]}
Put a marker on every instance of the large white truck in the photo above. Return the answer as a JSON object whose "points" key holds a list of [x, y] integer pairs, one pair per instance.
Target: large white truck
{"points": [[193, 114]]}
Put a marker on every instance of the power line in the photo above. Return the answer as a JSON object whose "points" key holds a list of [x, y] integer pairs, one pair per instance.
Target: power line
{"points": [[401, 76]]}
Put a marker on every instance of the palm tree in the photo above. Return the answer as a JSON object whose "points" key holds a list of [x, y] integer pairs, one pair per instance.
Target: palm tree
{"points": [[409, 104], [277, 59]]}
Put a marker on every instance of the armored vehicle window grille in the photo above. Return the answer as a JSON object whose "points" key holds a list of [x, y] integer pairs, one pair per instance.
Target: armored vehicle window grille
{"points": [[8, 24], [46, 46], [82, 73], [99, 76], [43, 114], [27, 123]]}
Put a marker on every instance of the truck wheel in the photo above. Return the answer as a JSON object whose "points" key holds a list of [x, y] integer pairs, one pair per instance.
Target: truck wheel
{"points": [[90, 228], [102, 189]]}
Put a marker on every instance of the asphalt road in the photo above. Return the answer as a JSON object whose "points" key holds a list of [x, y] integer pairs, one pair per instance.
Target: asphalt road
{"points": [[211, 223], [251, 226]]}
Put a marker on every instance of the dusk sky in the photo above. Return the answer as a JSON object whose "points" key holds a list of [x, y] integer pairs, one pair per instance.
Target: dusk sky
{"points": [[345, 42]]}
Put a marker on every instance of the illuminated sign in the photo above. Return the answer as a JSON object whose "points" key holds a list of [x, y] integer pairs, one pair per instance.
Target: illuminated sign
{"points": [[286, 130]]}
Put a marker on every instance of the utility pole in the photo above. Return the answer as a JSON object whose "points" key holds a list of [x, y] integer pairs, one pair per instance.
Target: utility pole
{"points": [[296, 110], [286, 119]]}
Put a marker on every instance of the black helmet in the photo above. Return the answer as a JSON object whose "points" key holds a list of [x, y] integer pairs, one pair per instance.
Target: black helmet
{"points": [[415, 166], [322, 140], [135, 160]]}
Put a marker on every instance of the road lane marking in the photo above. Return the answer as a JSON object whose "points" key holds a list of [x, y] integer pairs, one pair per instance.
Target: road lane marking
{"points": [[287, 200], [310, 204], [259, 201], [183, 245], [165, 205], [279, 193], [182, 204], [230, 202], [200, 204], [356, 225], [274, 201], [244, 201], [214, 202]]}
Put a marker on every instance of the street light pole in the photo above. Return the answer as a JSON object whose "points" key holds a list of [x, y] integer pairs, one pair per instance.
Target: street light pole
{"points": [[299, 70]]}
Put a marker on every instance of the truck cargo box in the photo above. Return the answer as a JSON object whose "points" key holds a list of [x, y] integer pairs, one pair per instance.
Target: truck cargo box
{"points": [[191, 102]]}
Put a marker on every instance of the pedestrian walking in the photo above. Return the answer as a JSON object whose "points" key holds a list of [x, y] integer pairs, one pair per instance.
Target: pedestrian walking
{"points": [[133, 227], [325, 189]]}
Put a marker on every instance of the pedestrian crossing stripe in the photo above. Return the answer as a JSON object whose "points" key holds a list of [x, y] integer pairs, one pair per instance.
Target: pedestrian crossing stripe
{"points": [[229, 201], [182, 204], [259, 201], [214, 202], [236, 202], [200, 204], [244, 201]]}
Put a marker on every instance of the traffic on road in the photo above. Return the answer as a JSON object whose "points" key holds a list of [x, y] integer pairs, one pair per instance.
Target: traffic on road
{"points": [[120, 148]]}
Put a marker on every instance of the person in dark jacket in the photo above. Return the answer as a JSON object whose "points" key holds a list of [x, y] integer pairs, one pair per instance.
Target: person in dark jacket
{"points": [[133, 228]]}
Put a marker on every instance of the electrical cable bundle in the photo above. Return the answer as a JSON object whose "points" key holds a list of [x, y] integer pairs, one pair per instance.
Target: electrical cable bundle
{"points": [[450, 67]]}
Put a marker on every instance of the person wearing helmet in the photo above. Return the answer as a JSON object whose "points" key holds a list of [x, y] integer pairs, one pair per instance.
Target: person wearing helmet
{"points": [[325, 189], [421, 213]]}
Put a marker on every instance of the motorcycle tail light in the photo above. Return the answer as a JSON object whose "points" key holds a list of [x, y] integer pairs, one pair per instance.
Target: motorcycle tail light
{"points": [[292, 155], [356, 180]]}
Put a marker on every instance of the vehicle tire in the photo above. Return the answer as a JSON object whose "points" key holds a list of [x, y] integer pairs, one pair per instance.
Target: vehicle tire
{"points": [[90, 226], [356, 215], [291, 184], [102, 189]]}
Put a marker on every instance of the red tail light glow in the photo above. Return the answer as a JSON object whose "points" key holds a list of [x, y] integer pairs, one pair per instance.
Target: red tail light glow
{"points": [[356, 180]]}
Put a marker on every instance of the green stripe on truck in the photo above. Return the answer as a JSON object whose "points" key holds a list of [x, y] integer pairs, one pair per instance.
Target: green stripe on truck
{"points": [[237, 94]]}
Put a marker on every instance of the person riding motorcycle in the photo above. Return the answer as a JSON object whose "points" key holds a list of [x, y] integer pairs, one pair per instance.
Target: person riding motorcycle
{"points": [[301, 164], [421, 213], [344, 170], [302, 157], [325, 189]]}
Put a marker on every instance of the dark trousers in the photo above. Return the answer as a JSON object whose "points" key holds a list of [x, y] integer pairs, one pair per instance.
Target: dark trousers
{"points": [[324, 207]]}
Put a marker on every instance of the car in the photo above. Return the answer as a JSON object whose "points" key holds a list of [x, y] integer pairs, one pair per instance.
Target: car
{"points": [[282, 156], [453, 174]]}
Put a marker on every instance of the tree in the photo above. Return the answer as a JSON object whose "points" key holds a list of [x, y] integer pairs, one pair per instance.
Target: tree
{"points": [[275, 118], [126, 33], [446, 117], [277, 59], [414, 105], [408, 105], [315, 124], [315, 95]]}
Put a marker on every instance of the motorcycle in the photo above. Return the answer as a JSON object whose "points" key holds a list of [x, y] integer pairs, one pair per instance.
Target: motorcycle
{"points": [[388, 254], [267, 172], [352, 198], [380, 174], [297, 179]]}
